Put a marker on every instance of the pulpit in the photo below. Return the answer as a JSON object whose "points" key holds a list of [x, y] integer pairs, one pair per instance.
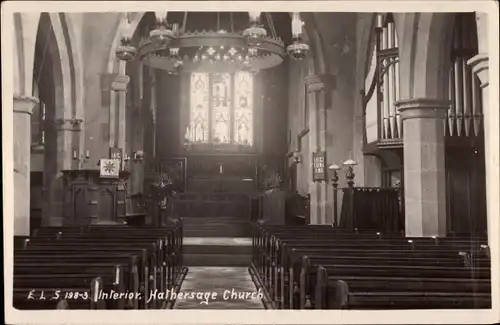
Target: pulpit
{"points": [[90, 199]]}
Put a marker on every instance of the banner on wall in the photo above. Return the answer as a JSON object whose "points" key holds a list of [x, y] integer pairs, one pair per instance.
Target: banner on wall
{"points": [[319, 162]]}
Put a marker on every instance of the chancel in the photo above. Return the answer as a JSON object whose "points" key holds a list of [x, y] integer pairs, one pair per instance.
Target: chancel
{"points": [[331, 160]]}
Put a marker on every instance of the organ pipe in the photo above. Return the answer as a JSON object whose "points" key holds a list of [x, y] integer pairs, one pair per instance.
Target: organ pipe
{"points": [[466, 84], [391, 77], [386, 88], [458, 92], [467, 98], [398, 115], [476, 105], [451, 94]]}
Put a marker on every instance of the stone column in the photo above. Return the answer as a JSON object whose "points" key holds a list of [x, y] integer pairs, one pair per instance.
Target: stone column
{"points": [[119, 85], [112, 119], [65, 136], [318, 92], [480, 67], [23, 108], [424, 166]]}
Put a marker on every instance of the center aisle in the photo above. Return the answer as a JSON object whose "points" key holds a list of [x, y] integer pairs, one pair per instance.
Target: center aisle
{"points": [[226, 287]]}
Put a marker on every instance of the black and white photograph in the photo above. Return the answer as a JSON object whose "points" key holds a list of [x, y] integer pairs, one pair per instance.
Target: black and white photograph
{"points": [[322, 162]]}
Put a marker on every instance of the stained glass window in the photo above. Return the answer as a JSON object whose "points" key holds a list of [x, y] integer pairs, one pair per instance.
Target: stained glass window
{"points": [[199, 116], [221, 108], [243, 113], [220, 104]]}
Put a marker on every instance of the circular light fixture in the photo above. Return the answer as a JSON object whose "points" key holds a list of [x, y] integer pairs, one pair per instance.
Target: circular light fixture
{"points": [[254, 35], [126, 51], [218, 50], [161, 35], [298, 50]]}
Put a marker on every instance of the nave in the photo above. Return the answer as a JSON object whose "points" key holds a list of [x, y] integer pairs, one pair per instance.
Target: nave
{"points": [[303, 160]]}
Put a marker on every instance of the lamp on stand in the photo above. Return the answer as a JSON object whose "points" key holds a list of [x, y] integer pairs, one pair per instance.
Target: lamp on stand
{"points": [[349, 175], [335, 179]]}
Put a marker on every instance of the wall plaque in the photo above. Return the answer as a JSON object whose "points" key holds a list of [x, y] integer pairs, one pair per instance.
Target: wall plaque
{"points": [[117, 154], [319, 162]]}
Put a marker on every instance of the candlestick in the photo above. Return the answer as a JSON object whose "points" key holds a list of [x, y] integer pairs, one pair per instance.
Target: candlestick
{"points": [[296, 24], [254, 16], [74, 154], [87, 154], [220, 169]]}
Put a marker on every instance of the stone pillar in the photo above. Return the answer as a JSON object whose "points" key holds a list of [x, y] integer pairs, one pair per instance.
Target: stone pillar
{"points": [[424, 166], [480, 67], [112, 119], [65, 136], [318, 92], [23, 108], [119, 85]]}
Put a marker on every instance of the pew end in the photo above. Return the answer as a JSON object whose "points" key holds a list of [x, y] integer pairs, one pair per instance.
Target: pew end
{"points": [[321, 289], [62, 304], [341, 295], [96, 287]]}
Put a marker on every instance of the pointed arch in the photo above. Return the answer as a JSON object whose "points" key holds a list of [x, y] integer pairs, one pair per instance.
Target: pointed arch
{"points": [[122, 31], [74, 39], [313, 38]]}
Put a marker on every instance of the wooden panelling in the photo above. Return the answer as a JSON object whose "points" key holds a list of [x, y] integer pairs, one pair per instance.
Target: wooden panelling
{"points": [[89, 199]]}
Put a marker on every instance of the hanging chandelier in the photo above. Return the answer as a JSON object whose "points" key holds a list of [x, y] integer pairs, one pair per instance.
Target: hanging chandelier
{"points": [[173, 49]]}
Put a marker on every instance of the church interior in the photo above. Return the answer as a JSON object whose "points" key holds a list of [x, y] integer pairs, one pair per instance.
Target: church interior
{"points": [[322, 160]]}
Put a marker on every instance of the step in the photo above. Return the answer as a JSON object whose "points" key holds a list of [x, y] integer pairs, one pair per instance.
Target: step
{"points": [[214, 225], [219, 249], [207, 220], [216, 249], [217, 260], [221, 232]]}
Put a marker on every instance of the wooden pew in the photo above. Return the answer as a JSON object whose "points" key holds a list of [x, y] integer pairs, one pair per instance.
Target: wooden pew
{"points": [[57, 247], [351, 292], [272, 246], [173, 251], [282, 263], [367, 265]]}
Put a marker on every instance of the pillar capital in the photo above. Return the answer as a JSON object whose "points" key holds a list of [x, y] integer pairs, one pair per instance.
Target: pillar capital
{"points": [[120, 83], [24, 104], [422, 108], [65, 124], [320, 82], [480, 67]]}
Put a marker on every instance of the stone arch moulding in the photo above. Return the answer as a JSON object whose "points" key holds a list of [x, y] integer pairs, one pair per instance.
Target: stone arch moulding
{"points": [[62, 70], [425, 44], [313, 38], [26, 27], [121, 30], [76, 52]]}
